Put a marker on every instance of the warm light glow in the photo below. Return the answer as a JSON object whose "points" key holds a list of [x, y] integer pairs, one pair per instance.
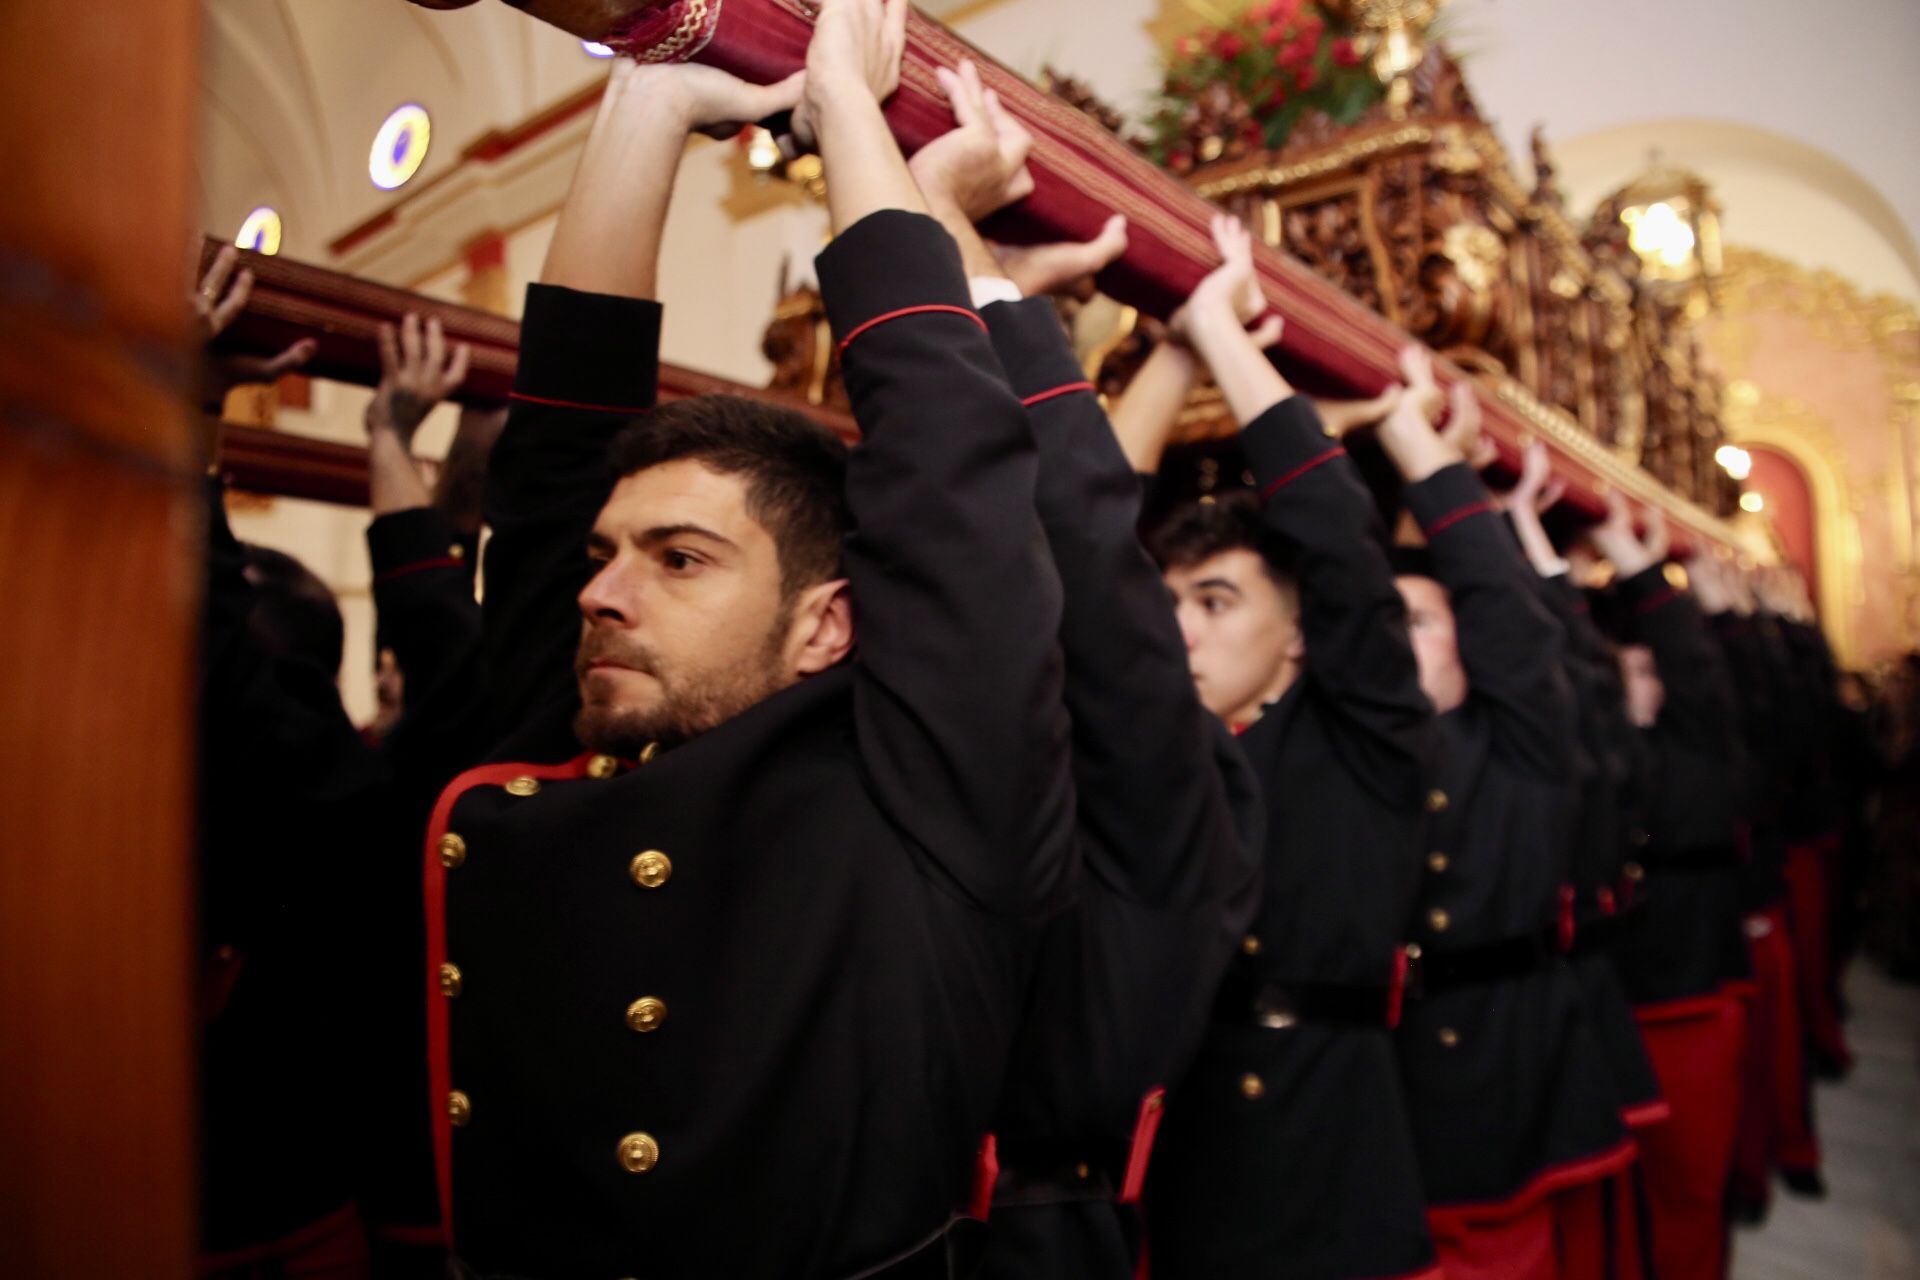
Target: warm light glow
{"points": [[1737, 462], [260, 232], [1659, 234], [763, 150], [1753, 502], [400, 148], [595, 50]]}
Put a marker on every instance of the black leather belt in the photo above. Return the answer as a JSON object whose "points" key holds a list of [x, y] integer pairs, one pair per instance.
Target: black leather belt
{"points": [[1507, 958], [1051, 1173]]}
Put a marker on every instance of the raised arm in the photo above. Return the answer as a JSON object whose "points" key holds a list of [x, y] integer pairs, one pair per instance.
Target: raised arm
{"points": [[959, 677], [589, 362], [1353, 619], [1510, 645], [1154, 815]]}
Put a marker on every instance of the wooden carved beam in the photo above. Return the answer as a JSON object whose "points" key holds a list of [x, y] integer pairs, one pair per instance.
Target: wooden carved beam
{"points": [[1082, 174], [294, 300]]}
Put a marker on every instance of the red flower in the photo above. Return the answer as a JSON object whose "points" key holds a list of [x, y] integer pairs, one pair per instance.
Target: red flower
{"points": [[1312, 28], [1275, 36], [1344, 53], [1296, 54], [1228, 45], [1306, 77]]}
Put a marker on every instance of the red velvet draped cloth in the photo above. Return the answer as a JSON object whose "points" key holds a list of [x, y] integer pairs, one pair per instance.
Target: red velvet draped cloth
{"points": [[1082, 174]]}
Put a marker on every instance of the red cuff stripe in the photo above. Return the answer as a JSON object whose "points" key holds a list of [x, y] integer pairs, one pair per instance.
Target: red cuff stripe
{"points": [[877, 321], [1066, 390], [1452, 518], [418, 566], [1337, 451], [524, 398], [1654, 601]]}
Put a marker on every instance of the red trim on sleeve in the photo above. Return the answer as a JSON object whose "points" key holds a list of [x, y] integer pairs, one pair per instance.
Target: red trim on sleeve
{"points": [[1065, 390], [1454, 517], [524, 398], [1274, 487], [1145, 1126], [924, 309], [433, 883], [418, 566], [1663, 596]]}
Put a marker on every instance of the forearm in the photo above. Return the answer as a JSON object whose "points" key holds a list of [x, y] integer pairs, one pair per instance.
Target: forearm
{"points": [[1145, 418], [394, 482], [1534, 541], [608, 237], [858, 149], [1246, 378], [1417, 451]]}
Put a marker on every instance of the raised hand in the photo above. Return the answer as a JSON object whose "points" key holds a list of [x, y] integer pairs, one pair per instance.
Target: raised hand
{"points": [[980, 165], [1341, 416], [1614, 538], [1539, 490], [856, 49], [1230, 292], [417, 372], [1058, 268], [1407, 433], [713, 102], [219, 300], [1463, 430]]}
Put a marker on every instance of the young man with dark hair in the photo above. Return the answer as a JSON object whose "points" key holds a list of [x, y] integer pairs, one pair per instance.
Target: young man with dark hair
{"points": [[1685, 961], [731, 992], [1286, 1149], [1168, 811], [1508, 1087]]}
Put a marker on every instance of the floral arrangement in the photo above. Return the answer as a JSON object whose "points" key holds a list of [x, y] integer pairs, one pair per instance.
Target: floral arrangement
{"points": [[1246, 82]]}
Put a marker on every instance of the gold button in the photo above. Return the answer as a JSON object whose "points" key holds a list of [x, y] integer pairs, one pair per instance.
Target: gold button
{"points": [[602, 767], [1436, 862], [1436, 801], [1252, 1086], [651, 869], [1439, 920], [648, 752], [1082, 1171], [457, 551], [1634, 871], [646, 1014], [1413, 950], [459, 1110], [450, 981], [453, 851], [1449, 1037], [1250, 945], [523, 786], [639, 1152]]}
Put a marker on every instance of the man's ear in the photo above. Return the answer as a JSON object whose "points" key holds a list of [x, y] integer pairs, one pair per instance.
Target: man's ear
{"points": [[821, 634]]}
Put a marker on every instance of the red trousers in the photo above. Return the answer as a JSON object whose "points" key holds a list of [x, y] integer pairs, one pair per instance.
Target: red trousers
{"points": [[1808, 875], [1696, 1050], [1776, 1122]]}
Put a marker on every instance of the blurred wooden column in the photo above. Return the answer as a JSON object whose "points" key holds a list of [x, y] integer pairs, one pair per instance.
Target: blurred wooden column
{"points": [[98, 587]]}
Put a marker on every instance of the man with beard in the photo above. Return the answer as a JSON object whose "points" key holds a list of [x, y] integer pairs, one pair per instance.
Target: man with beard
{"points": [[1169, 814], [730, 992], [1508, 1088]]}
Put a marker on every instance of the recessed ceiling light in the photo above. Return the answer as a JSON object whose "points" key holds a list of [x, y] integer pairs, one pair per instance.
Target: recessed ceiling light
{"points": [[400, 148], [260, 232]]}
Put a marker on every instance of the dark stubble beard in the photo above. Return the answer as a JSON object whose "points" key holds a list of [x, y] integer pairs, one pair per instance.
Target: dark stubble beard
{"points": [[689, 704]]}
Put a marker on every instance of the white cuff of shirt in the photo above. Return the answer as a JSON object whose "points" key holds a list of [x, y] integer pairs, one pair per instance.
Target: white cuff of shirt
{"points": [[988, 290]]}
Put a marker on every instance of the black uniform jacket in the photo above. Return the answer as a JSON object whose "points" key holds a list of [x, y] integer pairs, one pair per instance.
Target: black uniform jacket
{"points": [[284, 785], [1815, 804], [1690, 940], [1169, 828], [743, 1009], [1286, 1150], [1773, 727], [1169, 814], [1599, 901], [1506, 1083]]}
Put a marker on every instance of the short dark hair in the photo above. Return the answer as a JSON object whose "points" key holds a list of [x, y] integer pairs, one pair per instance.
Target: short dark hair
{"points": [[795, 469], [294, 613], [1202, 530]]}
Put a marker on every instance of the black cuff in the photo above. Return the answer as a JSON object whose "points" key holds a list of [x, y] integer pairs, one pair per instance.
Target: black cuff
{"points": [[414, 539], [1287, 442], [888, 262], [1033, 348], [1647, 590], [588, 351], [1447, 497]]}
